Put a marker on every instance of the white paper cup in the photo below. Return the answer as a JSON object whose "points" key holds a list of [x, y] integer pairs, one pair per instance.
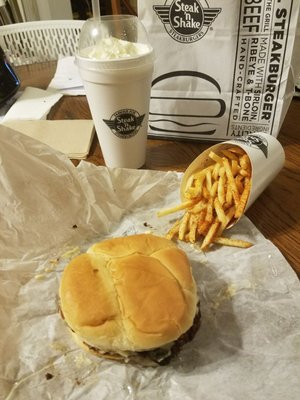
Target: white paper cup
{"points": [[266, 156], [118, 91]]}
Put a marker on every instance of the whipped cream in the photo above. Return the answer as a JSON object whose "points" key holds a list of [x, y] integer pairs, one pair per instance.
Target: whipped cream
{"points": [[114, 49]]}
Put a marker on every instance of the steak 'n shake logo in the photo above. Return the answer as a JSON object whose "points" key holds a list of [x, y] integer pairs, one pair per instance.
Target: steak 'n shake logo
{"points": [[256, 141], [186, 21], [125, 123]]}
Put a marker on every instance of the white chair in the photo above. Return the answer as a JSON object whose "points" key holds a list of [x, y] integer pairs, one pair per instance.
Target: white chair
{"points": [[38, 41]]}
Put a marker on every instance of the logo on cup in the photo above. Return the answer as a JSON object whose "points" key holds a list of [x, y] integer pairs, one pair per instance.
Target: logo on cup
{"points": [[186, 21], [255, 140], [125, 123]]}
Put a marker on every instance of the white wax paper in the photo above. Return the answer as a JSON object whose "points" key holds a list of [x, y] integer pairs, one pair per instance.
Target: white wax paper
{"points": [[248, 346]]}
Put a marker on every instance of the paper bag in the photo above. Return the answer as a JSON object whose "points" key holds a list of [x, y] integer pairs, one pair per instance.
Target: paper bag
{"points": [[223, 69]]}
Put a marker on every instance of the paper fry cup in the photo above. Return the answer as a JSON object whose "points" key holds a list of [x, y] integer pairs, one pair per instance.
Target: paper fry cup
{"points": [[266, 156]]}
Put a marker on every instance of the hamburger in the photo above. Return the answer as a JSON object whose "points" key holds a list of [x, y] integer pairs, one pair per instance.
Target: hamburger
{"points": [[191, 111], [131, 299]]}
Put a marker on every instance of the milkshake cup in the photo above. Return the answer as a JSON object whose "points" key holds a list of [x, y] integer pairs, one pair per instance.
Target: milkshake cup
{"points": [[115, 61], [266, 157]]}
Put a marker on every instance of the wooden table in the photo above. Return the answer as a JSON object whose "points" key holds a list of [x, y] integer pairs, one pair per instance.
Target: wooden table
{"points": [[276, 213]]}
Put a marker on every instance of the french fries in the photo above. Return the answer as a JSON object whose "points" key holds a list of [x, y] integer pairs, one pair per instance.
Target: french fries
{"points": [[215, 198]]}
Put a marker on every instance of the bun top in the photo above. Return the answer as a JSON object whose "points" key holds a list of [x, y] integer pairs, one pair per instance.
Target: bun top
{"points": [[129, 294]]}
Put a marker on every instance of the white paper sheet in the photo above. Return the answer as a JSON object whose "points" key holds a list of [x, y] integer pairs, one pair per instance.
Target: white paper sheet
{"points": [[32, 104], [247, 347], [67, 79]]}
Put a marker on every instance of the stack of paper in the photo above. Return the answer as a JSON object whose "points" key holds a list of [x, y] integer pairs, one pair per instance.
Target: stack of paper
{"points": [[71, 137], [28, 116]]}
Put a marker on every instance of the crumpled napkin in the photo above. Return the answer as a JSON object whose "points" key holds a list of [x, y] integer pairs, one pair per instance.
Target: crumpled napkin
{"points": [[67, 79]]}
